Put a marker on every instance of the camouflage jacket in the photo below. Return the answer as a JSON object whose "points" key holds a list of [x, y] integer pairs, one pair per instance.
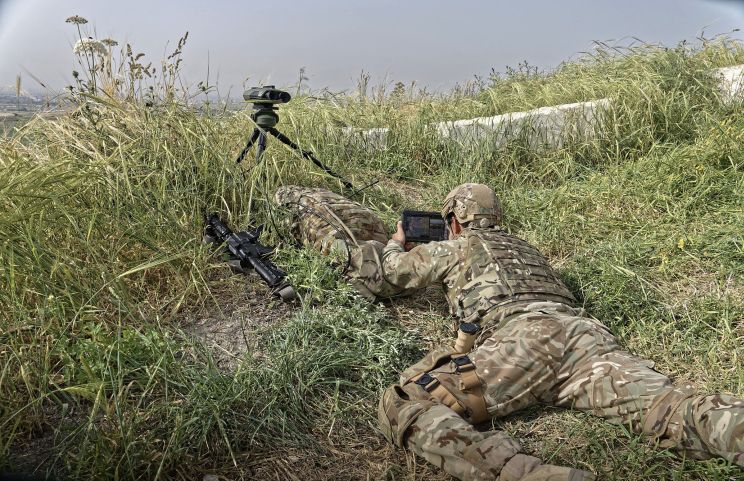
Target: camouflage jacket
{"points": [[483, 270]]}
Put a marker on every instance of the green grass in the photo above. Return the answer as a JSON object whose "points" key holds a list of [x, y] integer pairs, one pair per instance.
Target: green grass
{"points": [[101, 266]]}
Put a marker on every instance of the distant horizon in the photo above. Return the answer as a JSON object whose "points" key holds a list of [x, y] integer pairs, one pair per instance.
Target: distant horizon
{"points": [[334, 43], [37, 93]]}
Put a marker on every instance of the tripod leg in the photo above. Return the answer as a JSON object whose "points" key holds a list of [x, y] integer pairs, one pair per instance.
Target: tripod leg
{"points": [[308, 155], [261, 146], [254, 136]]}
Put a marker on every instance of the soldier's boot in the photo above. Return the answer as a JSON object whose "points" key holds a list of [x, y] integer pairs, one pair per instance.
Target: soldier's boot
{"points": [[529, 468], [437, 434], [700, 425]]}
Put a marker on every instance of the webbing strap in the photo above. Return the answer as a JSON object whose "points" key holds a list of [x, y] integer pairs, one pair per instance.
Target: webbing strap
{"points": [[436, 389], [442, 393], [469, 380], [473, 406], [468, 377], [472, 387]]}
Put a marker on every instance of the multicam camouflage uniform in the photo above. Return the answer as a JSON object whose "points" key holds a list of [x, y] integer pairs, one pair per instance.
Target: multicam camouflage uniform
{"points": [[333, 224], [534, 347]]}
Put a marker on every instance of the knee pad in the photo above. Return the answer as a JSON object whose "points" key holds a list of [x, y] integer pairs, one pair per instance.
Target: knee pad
{"points": [[397, 411], [663, 420]]}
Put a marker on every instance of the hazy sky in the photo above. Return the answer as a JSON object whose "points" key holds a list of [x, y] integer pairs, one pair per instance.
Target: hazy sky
{"points": [[437, 43]]}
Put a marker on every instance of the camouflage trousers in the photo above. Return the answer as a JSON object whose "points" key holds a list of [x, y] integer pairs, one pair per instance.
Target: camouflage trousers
{"points": [[552, 354]]}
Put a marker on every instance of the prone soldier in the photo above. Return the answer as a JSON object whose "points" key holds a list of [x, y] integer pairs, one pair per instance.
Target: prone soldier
{"points": [[337, 226], [522, 342]]}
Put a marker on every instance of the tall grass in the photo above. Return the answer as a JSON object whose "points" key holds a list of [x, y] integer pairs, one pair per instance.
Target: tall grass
{"points": [[101, 264]]}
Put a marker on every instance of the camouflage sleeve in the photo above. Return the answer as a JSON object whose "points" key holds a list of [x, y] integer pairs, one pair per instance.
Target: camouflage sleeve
{"points": [[424, 265]]}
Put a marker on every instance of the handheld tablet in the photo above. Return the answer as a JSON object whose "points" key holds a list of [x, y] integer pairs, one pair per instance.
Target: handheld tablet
{"points": [[422, 226]]}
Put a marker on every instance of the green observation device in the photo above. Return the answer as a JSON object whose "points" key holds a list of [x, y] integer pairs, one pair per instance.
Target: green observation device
{"points": [[265, 100]]}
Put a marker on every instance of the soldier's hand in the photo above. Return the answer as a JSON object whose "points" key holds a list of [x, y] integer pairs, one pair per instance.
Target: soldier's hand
{"points": [[400, 236]]}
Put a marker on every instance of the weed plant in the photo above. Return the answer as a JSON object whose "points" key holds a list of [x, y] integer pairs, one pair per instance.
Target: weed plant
{"points": [[101, 266]]}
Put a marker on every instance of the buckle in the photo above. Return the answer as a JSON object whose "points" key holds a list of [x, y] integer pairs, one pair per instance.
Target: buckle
{"points": [[463, 363], [427, 382], [469, 327]]}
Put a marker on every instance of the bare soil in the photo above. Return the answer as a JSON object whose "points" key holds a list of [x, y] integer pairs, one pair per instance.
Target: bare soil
{"points": [[31, 458], [239, 307]]}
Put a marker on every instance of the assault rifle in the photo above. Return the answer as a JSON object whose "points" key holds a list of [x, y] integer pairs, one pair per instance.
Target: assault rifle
{"points": [[246, 252]]}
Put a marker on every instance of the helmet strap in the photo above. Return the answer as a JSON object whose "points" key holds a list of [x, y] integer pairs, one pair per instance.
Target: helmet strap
{"points": [[453, 227]]}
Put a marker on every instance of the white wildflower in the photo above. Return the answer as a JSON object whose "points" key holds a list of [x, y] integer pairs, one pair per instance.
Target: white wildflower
{"points": [[86, 45], [76, 19]]}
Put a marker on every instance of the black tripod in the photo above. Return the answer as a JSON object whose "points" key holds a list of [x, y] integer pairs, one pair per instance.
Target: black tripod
{"points": [[266, 119]]}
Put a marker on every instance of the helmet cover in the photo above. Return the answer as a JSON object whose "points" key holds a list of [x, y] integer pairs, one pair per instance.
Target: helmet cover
{"points": [[476, 203]]}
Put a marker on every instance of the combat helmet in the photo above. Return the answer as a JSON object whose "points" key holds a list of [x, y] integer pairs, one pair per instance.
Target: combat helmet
{"points": [[475, 203]]}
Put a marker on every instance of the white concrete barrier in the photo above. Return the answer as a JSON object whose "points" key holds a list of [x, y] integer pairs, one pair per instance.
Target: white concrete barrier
{"points": [[731, 83], [375, 138], [541, 127], [544, 126]]}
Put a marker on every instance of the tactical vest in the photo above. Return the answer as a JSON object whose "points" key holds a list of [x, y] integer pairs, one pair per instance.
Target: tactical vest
{"points": [[496, 270]]}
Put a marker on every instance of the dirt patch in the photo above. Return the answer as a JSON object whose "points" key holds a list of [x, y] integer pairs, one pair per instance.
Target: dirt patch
{"points": [[413, 193], [362, 457], [34, 458], [238, 307], [425, 313]]}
